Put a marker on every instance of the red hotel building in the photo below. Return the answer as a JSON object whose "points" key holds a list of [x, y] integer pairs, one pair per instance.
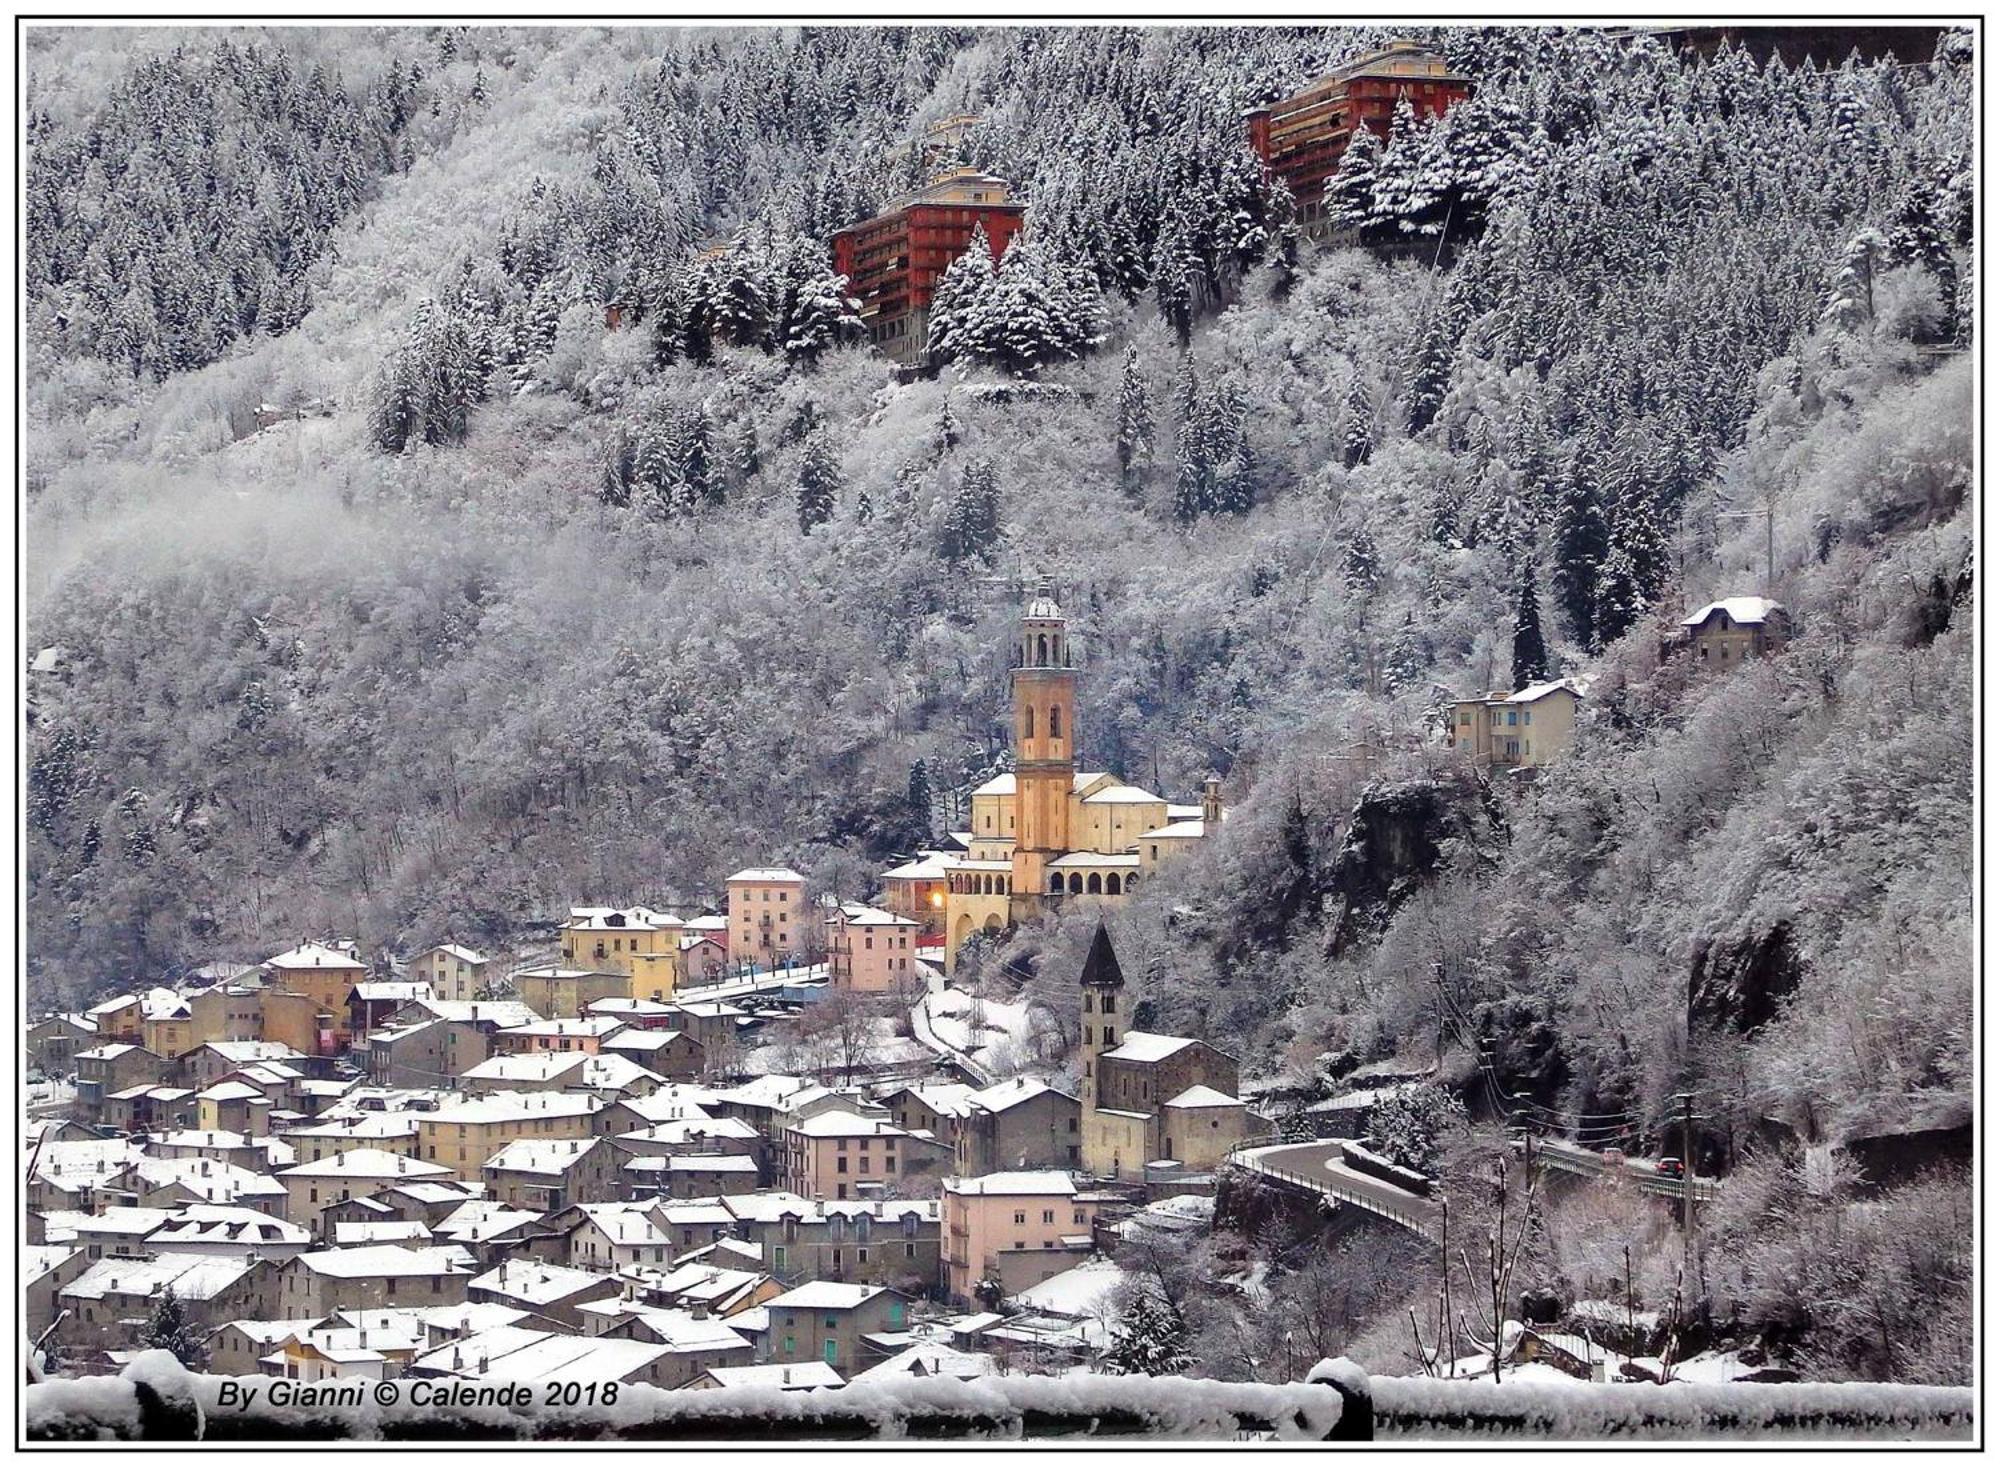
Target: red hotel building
{"points": [[894, 261], [1302, 137]]}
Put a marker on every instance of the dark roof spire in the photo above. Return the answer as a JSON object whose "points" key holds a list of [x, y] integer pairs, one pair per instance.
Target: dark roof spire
{"points": [[1100, 965]]}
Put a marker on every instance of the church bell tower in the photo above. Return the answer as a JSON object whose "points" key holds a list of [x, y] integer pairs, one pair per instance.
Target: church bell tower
{"points": [[1044, 751]]}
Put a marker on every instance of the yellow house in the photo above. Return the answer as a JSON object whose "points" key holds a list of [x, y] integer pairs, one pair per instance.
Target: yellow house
{"points": [[226, 1012], [326, 976], [616, 940], [166, 1023], [463, 1134], [1517, 730]]}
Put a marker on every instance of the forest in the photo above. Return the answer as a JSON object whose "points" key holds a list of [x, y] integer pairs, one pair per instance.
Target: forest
{"points": [[379, 585]]}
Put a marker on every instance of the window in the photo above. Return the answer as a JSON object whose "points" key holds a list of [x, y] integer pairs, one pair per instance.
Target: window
{"points": [[840, 1165], [1513, 717], [1109, 1039], [1527, 716], [1048, 1215], [832, 1351], [1110, 1003], [1055, 722], [791, 1346], [1020, 1216]]}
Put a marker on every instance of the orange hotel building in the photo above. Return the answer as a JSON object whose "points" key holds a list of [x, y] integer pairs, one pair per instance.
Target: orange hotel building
{"points": [[894, 261]]}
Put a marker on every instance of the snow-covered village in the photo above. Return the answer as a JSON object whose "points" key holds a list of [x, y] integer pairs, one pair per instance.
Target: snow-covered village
{"points": [[771, 733]]}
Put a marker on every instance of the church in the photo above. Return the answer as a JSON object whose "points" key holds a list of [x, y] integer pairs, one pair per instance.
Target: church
{"points": [[1149, 1098], [1048, 833]]}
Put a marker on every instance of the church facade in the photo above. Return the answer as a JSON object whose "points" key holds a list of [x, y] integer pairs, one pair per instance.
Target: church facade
{"points": [[1048, 832]]}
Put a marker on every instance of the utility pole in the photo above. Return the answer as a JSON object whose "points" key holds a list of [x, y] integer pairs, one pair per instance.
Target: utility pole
{"points": [[1690, 1254]]}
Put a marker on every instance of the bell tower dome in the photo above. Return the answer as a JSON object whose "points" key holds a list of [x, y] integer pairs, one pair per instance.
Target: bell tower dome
{"points": [[1044, 749]]}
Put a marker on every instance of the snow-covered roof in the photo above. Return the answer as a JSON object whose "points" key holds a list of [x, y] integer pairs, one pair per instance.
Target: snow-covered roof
{"points": [[1176, 831], [1198, 1097], [512, 1105], [846, 1124], [931, 1358], [455, 950], [1013, 1184], [230, 1091], [678, 1330], [191, 1276], [1082, 1291], [1122, 795], [1010, 1093], [861, 915], [931, 866], [314, 955], [536, 1282], [801, 1377], [506, 1013], [249, 1052], [391, 991], [1142, 1046], [544, 1156], [1745, 611], [825, 1294], [513, 1353], [385, 1260], [1535, 692], [1081, 859], [479, 1219], [369, 1162], [765, 874]]}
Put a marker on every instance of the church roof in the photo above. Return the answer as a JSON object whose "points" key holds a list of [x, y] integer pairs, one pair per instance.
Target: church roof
{"points": [[1100, 965]]}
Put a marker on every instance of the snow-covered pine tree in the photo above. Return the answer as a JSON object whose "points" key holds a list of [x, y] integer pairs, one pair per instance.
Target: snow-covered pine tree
{"points": [[1150, 1338], [1581, 542], [972, 514], [1531, 653], [1135, 419], [819, 482], [170, 1329], [1349, 200], [958, 297], [1357, 437]]}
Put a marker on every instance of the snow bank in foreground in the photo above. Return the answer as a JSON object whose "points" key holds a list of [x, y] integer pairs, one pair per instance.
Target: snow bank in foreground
{"points": [[1417, 1407]]}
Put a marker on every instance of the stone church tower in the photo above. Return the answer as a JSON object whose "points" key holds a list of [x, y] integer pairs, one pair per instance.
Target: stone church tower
{"points": [[1102, 984], [1044, 752]]}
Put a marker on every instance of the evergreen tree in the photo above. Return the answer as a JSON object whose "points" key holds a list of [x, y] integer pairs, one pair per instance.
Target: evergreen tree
{"points": [[1581, 543], [972, 514], [947, 428], [819, 482], [1357, 440], [1151, 1338], [170, 1329], [1135, 419], [918, 797], [958, 299], [1349, 200], [697, 468], [1531, 654]]}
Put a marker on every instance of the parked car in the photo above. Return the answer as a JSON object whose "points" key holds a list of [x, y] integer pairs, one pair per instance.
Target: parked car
{"points": [[1669, 1167], [1611, 1157]]}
